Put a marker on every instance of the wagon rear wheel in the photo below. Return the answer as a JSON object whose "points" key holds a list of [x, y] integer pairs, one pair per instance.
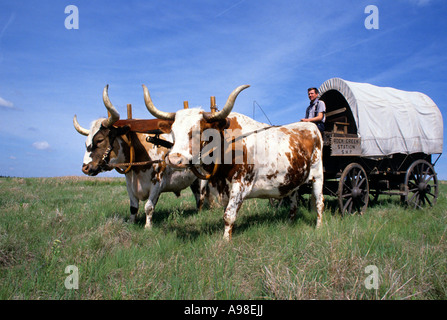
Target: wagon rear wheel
{"points": [[353, 190], [421, 184]]}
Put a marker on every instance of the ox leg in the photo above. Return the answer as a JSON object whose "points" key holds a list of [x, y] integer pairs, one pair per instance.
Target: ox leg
{"points": [[196, 188], [133, 214], [134, 206], [134, 202], [229, 219], [149, 208], [231, 211], [293, 205], [317, 200], [202, 193]]}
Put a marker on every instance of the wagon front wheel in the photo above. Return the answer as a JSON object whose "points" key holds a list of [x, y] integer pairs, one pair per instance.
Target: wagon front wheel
{"points": [[421, 184], [353, 190]]}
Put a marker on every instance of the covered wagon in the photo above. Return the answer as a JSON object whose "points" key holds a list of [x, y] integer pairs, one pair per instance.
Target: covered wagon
{"points": [[379, 140]]}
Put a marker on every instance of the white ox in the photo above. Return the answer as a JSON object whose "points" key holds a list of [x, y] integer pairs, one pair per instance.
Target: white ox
{"points": [[265, 161], [108, 145]]}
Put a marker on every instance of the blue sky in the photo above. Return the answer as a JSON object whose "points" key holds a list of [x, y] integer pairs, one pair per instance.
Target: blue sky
{"points": [[190, 50]]}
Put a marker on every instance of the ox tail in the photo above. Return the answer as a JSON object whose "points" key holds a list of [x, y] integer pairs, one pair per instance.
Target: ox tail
{"points": [[317, 200]]}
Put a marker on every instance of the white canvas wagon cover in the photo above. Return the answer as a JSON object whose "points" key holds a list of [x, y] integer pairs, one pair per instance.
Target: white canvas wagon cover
{"points": [[389, 120]]}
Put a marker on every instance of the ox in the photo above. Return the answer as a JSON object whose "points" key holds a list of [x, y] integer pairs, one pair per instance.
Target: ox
{"points": [[265, 161], [108, 145]]}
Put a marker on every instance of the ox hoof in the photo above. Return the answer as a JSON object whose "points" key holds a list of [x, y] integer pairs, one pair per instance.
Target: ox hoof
{"points": [[227, 234]]}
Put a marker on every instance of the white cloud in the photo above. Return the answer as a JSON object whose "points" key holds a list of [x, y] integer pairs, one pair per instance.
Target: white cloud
{"points": [[41, 145], [6, 104]]}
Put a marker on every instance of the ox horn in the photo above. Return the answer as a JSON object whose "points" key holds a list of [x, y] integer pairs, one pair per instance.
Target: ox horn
{"points": [[114, 115], [154, 111], [78, 128], [222, 114]]}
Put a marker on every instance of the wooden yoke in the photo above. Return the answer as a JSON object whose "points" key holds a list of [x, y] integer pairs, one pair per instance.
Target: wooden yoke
{"points": [[150, 126], [140, 125]]}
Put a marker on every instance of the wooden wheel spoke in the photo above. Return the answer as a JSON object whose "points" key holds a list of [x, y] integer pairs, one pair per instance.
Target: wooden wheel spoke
{"points": [[348, 187], [347, 205], [362, 182], [413, 196], [430, 177], [431, 194], [428, 200], [425, 173]]}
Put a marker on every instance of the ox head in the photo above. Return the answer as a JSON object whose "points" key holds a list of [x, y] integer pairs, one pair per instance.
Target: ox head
{"points": [[189, 127], [101, 144]]}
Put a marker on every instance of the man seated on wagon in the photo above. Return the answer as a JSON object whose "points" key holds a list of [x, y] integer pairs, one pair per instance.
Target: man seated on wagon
{"points": [[316, 110]]}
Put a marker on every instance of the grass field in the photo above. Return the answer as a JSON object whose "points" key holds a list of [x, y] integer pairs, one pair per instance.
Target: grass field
{"points": [[47, 224]]}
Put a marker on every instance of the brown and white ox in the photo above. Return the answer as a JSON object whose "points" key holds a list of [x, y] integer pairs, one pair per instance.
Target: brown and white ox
{"points": [[249, 159], [108, 145]]}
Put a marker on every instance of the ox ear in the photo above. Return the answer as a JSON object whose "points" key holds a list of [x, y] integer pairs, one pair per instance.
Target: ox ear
{"points": [[221, 124], [225, 124], [165, 126]]}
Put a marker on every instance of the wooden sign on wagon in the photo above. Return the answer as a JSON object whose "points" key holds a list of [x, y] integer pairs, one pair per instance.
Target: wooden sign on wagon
{"points": [[343, 146]]}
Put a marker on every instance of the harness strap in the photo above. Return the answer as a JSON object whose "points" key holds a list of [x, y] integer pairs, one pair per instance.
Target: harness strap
{"points": [[207, 175], [130, 164], [204, 176]]}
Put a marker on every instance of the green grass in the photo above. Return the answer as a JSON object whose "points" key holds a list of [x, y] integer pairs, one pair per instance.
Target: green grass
{"points": [[48, 224]]}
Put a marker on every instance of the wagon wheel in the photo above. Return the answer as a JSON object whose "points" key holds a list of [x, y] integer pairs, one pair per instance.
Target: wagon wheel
{"points": [[353, 190], [421, 184]]}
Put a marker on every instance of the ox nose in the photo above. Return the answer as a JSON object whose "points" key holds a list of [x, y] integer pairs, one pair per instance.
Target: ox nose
{"points": [[88, 169], [176, 160], [85, 168]]}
